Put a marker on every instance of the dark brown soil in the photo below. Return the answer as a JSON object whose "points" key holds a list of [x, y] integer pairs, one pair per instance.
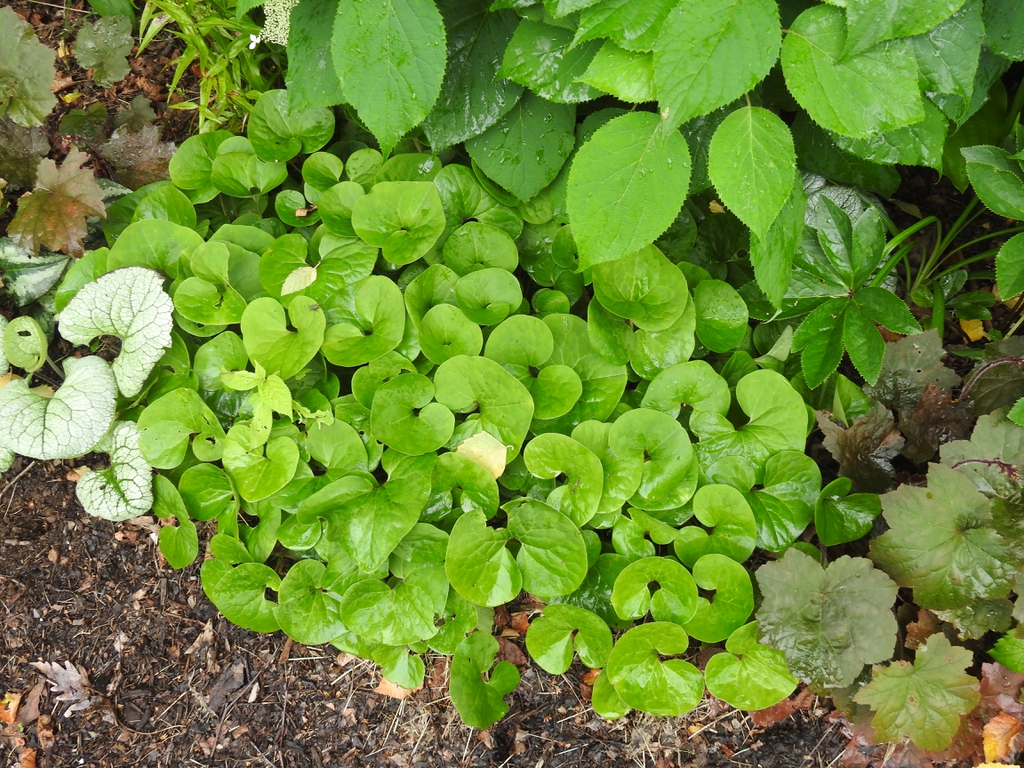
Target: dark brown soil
{"points": [[172, 684]]}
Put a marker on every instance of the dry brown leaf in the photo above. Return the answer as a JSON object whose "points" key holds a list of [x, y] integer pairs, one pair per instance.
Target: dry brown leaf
{"points": [[773, 714], [509, 651], [44, 733], [30, 705], [70, 682], [590, 676], [389, 689], [9, 708], [484, 737], [919, 631], [27, 758], [999, 734]]}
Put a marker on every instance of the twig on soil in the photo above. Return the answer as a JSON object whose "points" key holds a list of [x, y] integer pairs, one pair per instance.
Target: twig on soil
{"points": [[10, 483]]}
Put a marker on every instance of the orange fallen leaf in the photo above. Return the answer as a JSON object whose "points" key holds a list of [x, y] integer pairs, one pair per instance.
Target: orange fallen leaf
{"points": [[590, 676], [998, 734], [387, 688], [27, 758], [973, 329], [9, 708]]}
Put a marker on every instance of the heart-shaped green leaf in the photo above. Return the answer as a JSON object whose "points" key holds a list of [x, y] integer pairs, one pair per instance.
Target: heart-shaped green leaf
{"points": [[726, 511], [480, 701], [402, 218], [405, 417], [552, 637], [656, 584], [715, 619], [749, 676], [645, 682]]}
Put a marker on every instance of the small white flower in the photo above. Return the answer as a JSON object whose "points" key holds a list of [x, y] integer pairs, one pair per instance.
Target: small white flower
{"points": [[254, 40]]}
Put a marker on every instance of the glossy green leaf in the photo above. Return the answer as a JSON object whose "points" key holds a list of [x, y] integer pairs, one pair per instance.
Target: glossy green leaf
{"points": [[239, 595], [840, 517], [997, 179], [626, 75], [279, 130], [402, 218], [671, 598], [749, 676], [378, 329], [669, 476], [476, 246], [467, 384], [717, 617], [207, 492], [405, 417], [306, 610], [721, 315], [400, 614], [481, 702], [524, 150], [553, 636], [551, 456], [540, 57], [472, 97], [724, 510], [669, 688], [261, 471], [855, 95], [644, 287], [173, 423], [270, 342], [487, 296]]}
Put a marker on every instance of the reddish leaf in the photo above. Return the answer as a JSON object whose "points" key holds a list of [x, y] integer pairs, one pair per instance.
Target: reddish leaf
{"points": [[937, 419], [138, 158], [865, 450], [918, 631], [54, 214]]}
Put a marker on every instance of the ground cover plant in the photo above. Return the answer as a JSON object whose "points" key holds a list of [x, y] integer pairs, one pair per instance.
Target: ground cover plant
{"points": [[494, 333]]}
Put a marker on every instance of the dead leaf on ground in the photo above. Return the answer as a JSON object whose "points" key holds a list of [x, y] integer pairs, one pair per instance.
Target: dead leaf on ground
{"points": [[69, 681], [230, 680], [30, 705], [9, 708], [509, 651], [44, 733], [389, 689], [27, 758], [999, 734], [484, 737], [920, 630]]}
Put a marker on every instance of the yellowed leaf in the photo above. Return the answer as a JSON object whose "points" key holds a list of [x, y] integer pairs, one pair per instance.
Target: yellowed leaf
{"points": [[998, 735], [973, 329], [487, 451]]}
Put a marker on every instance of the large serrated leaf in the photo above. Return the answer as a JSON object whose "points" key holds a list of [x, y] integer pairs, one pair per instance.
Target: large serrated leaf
{"points": [[923, 700], [864, 450], [54, 214], [752, 163], [948, 55], [64, 426], [872, 21], [20, 151], [712, 52], [390, 58], [125, 489], [129, 303], [830, 622], [26, 72], [626, 186], [859, 95]]}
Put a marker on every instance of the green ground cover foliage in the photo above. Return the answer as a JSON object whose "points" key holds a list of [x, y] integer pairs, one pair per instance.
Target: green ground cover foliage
{"points": [[548, 296]]}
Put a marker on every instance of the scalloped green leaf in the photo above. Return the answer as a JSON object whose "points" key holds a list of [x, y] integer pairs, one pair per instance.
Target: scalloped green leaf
{"points": [[733, 602], [26, 73], [669, 475], [829, 622], [924, 700], [551, 456]]}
